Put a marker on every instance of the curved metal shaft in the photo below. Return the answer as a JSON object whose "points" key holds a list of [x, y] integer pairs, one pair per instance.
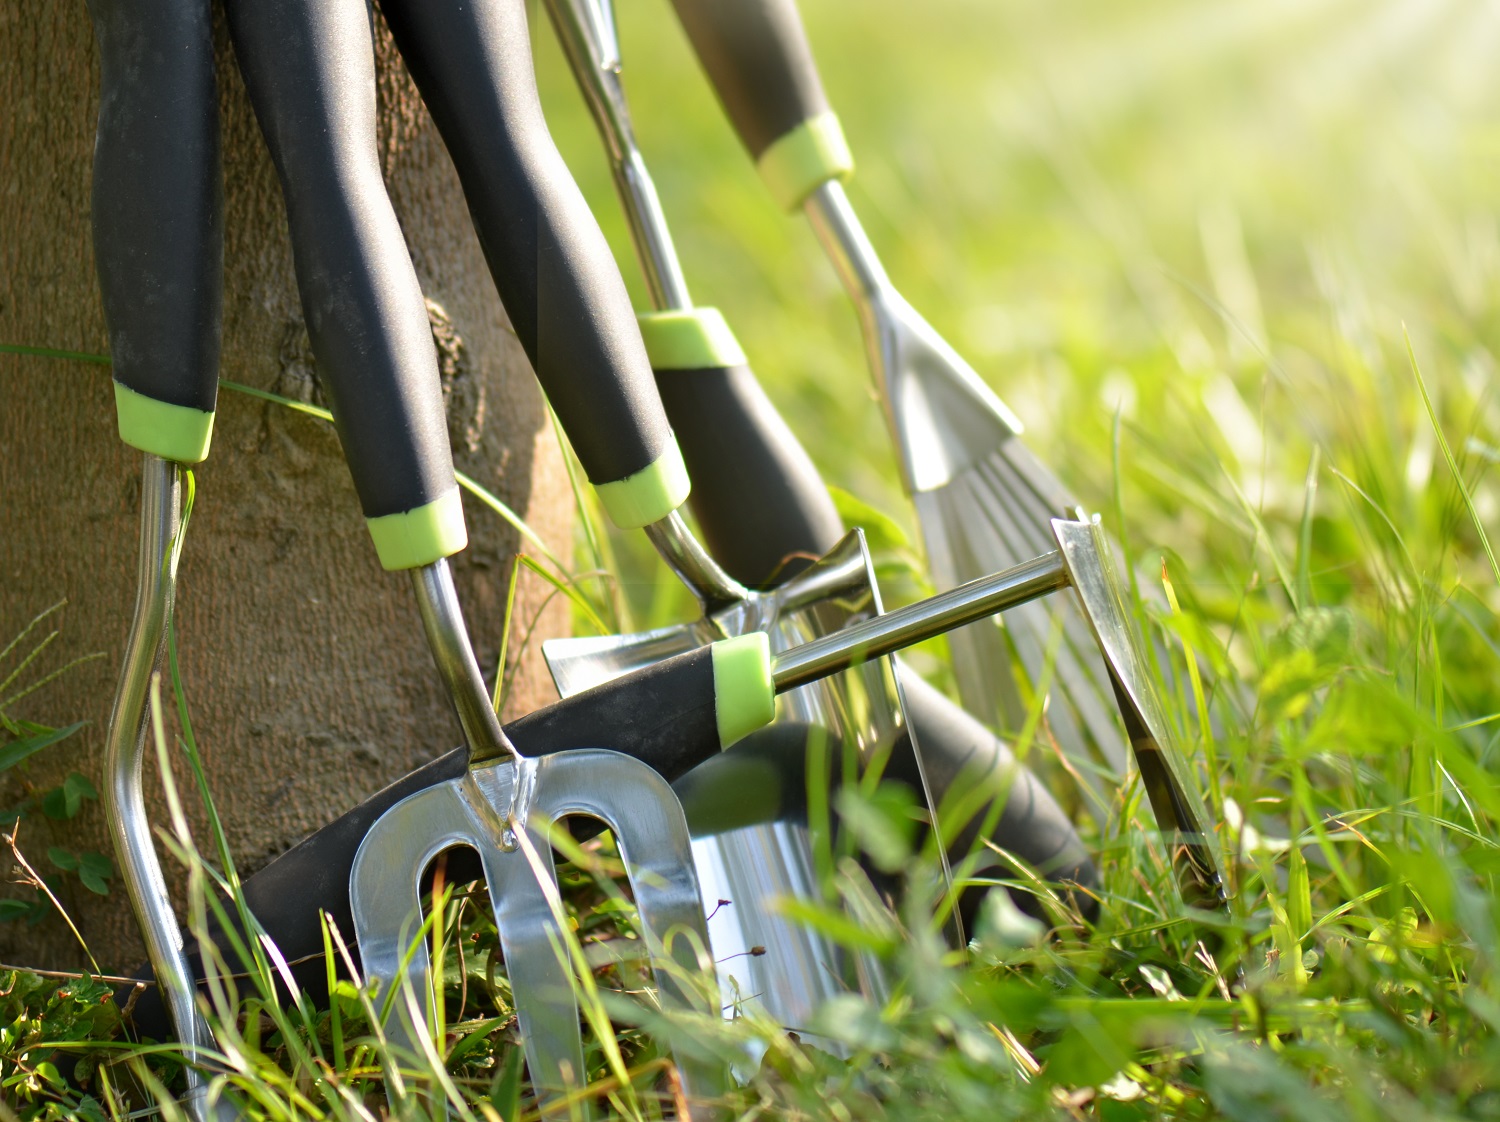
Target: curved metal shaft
{"points": [[893, 631], [686, 557], [448, 638], [124, 799]]}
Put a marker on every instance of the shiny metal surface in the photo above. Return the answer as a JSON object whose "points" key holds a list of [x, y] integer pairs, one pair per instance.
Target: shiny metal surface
{"points": [[448, 638], [636, 803], [124, 800], [1178, 807], [690, 563], [586, 29], [983, 504], [941, 415], [754, 865], [903, 627]]}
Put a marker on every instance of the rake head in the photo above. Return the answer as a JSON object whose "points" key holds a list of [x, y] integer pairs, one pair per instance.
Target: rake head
{"points": [[992, 515], [476, 810]]}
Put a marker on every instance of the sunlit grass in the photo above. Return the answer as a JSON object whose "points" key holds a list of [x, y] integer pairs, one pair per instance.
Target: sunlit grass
{"points": [[1236, 266]]}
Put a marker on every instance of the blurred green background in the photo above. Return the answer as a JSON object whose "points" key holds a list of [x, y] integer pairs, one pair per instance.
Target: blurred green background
{"points": [[1213, 220]]}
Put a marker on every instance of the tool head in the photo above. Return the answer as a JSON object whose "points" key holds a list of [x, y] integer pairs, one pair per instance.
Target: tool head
{"points": [[756, 863], [473, 810], [825, 597], [1175, 800], [994, 514], [941, 415]]}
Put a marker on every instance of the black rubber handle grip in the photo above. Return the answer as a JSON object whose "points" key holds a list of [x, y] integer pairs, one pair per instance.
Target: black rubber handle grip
{"points": [[663, 715], [757, 56], [957, 749], [560, 285], [309, 67], [762, 508], [157, 197]]}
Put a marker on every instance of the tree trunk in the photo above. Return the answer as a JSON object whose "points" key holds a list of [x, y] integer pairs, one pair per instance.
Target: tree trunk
{"points": [[309, 681]]}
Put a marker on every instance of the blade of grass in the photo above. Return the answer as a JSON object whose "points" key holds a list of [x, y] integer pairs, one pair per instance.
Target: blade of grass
{"points": [[1458, 476]]}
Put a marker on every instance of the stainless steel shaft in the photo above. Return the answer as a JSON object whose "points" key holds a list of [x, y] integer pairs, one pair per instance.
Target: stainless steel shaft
{"points": [[448, 638], [896, 630], [124, 799]]}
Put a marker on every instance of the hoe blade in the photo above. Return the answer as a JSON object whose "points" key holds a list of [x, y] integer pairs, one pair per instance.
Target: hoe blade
{"points": [[1175, 800]]}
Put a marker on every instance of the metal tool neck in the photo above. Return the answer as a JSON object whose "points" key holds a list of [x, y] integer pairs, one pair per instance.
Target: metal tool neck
{"points": [[124, 752], [893, 631], [587, 31], [838, 228], [649, 232], [448, 639], [686, 557]]}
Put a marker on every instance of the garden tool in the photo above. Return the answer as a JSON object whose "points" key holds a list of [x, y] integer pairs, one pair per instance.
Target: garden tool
{"points": [[671, 715], [308, 69], [472, 64], [475, 808], [762, 508], [983, 499], [158, 248]]}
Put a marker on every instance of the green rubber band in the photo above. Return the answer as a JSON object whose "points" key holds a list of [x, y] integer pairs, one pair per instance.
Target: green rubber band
{"points": [[421, 536], [650, 494], [744, 695], [797, 162], [173, 432], [689, 339]]}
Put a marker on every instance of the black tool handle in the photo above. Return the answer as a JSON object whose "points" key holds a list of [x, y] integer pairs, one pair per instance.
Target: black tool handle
{"points": [[157, 198], [309, 67], [556, 276], [763, 510], [757, 56]]}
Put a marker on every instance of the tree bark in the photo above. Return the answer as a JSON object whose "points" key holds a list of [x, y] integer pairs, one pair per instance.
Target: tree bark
{"points": [[309, 682]]}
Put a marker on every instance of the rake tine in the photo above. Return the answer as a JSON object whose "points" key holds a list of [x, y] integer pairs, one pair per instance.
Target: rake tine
{"points": [[1079, 678], [1085, 680]]}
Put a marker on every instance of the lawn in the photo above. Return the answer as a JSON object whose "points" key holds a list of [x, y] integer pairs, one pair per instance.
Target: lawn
{"points": [[1237, 268]]}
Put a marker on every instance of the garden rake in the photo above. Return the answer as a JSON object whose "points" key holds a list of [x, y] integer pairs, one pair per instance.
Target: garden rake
{"points": [[760, 504], [983, 499]]}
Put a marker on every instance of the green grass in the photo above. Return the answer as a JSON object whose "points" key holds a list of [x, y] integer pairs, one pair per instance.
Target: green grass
{"points": [[1237, 267]]}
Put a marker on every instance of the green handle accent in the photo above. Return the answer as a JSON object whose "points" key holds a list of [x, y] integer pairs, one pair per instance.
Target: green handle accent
{"points": [[800, 161], [650, 494], [420, 536], [173, 432], [690, 339], [744, 694]]}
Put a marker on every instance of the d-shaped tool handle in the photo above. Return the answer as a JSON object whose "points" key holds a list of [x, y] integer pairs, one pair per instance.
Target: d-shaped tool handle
{"points": [[557, 279], [309, 68], [158, 220], [758, 58]]}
